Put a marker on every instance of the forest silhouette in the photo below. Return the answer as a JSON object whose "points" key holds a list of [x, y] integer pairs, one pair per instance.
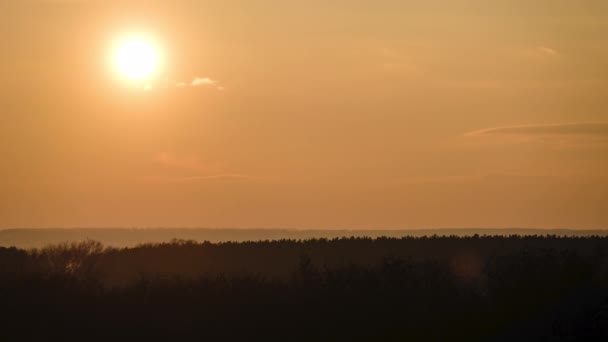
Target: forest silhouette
{"points": [[496, 288]]}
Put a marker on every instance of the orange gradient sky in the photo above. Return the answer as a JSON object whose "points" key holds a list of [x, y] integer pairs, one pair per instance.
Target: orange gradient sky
{"points": [[313, 114]]}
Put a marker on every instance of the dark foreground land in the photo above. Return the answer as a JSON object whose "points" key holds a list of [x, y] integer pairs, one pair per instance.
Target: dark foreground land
{"points": [[488, 288]]}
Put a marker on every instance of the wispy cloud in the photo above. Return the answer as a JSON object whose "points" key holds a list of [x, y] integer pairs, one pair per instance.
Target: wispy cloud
{"points": [[190, 163], [581, 128], [200, 82], [547, 51], [226, 176], [218, 176], [538, 53], [196, 82], [206, 82], [203, 81], [191, 168]]}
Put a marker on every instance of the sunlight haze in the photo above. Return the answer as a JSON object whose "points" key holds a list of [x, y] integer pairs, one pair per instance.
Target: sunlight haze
{"points": [[318, 114]]}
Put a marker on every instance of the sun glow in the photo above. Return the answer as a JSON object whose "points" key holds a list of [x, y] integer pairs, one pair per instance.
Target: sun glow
{"points": [[136, 58]]}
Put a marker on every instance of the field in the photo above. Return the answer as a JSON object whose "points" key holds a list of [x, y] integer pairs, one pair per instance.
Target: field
{"points": [[496, 288]]}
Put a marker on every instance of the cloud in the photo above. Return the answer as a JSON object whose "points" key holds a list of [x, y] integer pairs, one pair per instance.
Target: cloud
{"points": [[546, 51], [200, 82], [581, 128], [206, 82], [191, 163], [227, 176], [196, 82], [191, 168], [203, 81], [538, 53], [216, 176]]}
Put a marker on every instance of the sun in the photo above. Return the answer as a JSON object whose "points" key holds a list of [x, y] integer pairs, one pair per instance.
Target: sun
{"points": [[136, 58]]}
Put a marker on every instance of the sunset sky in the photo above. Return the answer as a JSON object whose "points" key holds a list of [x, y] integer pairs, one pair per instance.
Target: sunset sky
{"points": [[306, 114]]}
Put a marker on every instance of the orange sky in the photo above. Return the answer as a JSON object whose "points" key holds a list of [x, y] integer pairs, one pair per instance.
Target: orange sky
{"points": [[316, 114]]}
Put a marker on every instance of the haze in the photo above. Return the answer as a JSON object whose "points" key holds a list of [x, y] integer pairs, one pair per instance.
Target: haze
{"points": [[318, 114]]}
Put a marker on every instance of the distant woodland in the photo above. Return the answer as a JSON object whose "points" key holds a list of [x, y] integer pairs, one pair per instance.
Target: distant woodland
{"points": [[130, 237], [430, 288]]}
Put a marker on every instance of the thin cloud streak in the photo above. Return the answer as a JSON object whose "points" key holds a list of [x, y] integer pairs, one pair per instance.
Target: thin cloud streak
{"points": [[582, 128], [196, 169], [227, 176], [205, 82]]}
